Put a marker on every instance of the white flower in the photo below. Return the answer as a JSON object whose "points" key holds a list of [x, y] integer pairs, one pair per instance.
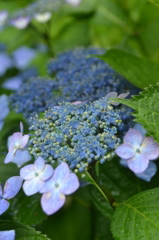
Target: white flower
{"points": [[43, 17]]}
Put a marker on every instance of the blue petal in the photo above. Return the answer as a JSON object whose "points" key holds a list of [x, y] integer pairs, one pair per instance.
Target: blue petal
{"points": [[7, 235], [148, 173], [52, 201], [4, 205], [12, 187]]}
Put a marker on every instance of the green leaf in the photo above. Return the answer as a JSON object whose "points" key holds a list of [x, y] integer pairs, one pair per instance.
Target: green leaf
{"points": [[27, 210], [100, 203], [22, 231], [138, 217], [117, 183], [146, 106], [7, 170], [98, 196], [156, 2], [102, 227], [140, 71]]}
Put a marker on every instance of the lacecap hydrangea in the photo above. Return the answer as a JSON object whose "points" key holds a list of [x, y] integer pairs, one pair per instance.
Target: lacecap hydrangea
{"points": [[81, 76], [78, 134], [77, 77], [34, 96]]}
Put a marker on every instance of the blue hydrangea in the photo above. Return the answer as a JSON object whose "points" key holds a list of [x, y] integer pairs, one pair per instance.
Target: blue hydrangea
{"points": [[78, 78], [34, 96], [81, 77], [79, 134]]}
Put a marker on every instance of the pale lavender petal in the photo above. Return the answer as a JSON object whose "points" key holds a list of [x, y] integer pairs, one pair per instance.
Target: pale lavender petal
{"points": [[140, 128], [14, 141], [1, 190], [133, 138], [48, 185], [21, 157], [33, 186], [148, 173], [20, 22], [4, 205], [138, 163], [145, 175], [70, 185], [12, 187], [150, 148], [23, 141], [47, 172], [27, 172], [123, 95], [111, 95], [73, 2], [52, 201], [4, 110], [39, 164], [3, 17], [61, 172], [7, 235], [23, 56], [13, 83], [125, 151], [9, 157]]}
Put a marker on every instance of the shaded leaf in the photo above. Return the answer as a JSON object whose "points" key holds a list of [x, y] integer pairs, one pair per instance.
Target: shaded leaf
{"points": [[138, 217], [140, 71], [27, 210]]}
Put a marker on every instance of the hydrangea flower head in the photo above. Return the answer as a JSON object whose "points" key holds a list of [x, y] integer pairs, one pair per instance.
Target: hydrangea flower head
{"points": [[79, 134], [16, 144], [83, 77], [43, 17], [60, 184], [7, 235], [20, 22], [137, 150], [34, 96], [35, 176], [11, 188]]}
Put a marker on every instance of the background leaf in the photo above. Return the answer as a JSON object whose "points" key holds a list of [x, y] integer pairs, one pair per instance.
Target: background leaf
{"points": [[140, 71], [27, 210], [156, 2], [138, 217]]}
